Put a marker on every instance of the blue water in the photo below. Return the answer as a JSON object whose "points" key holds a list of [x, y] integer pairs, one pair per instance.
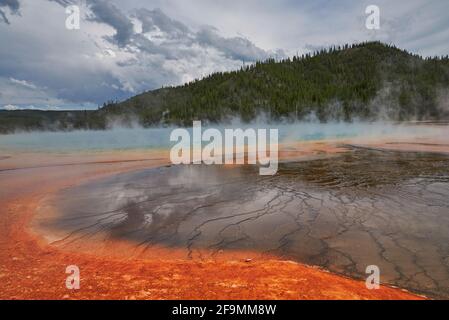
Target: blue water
{"points": [[154, 138]]}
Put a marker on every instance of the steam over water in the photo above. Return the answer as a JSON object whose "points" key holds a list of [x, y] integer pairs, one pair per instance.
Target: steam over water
{"points": [[139, 138], [360, 208], [344, 213]]}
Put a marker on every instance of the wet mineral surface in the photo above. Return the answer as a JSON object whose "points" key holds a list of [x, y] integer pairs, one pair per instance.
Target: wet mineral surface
{"points": [[345, 213]]}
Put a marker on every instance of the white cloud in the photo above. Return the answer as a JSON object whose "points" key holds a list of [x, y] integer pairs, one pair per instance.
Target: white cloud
{"points": [[10, 107], [13, 7], [23, 83], [127, 47], [116, 54]]}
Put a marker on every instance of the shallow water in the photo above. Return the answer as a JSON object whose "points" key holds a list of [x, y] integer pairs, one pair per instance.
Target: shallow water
{"points": [[362, 208], [139, 138]]}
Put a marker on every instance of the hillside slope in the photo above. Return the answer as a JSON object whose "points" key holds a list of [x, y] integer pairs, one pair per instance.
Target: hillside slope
{"points": [[364, 81], [367, 81]]}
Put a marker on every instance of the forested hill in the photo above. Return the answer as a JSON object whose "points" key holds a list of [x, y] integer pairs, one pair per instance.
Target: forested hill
{"points": [[368, 80], [364, 81]]}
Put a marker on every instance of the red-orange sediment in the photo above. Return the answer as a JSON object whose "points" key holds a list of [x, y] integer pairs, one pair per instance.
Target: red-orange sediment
{"points": [[30, 268]]}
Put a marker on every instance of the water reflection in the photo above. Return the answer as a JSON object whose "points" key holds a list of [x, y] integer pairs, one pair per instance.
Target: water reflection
{"points": [[362, 208]]}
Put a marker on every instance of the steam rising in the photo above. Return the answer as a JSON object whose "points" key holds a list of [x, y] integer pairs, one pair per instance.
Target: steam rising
{"points": [[136, 137]]}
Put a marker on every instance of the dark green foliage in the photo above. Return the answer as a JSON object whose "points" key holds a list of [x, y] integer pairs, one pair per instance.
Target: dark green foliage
{"points": [[364, 81], [333, 84], [25, 120]]}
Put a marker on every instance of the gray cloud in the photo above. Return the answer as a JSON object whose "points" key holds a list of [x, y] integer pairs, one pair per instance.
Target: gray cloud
{"points": [[235, 48], [148, 48], [62, 68], [153, 20], [105, 12], [64, 2], [12, 5], [3, 16]]}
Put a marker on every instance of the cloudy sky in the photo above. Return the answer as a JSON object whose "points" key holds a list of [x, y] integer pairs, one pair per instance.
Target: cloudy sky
{"points": [[125, 47]]}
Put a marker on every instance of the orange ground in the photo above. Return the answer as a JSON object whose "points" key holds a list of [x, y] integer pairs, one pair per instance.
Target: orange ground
{"points": [[32, 269]]}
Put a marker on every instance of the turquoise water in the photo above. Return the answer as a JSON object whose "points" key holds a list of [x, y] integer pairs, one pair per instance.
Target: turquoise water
{"points": [[140, 138]]}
